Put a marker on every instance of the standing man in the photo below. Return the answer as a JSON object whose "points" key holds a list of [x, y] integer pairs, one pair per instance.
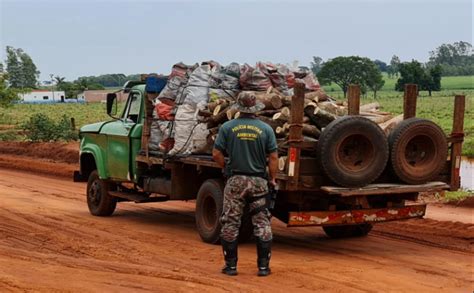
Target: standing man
{"points": [[248, 142]]}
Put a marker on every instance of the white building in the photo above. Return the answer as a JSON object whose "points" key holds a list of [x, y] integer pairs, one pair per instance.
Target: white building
{"points": [[43, 96]]}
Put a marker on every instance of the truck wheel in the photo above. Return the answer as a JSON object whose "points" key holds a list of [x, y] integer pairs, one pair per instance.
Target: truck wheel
{"points": [[347, 230], [352, 151], [209, 204], [99, 201], [418, 150]]}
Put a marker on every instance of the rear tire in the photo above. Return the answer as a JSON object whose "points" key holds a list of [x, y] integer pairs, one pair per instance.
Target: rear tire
{"points": [[99, 201], [347, 231], [418, 150], [352, 151], [209, 205]]}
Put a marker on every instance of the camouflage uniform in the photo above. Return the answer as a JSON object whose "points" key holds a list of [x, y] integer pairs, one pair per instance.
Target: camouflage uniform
{"points": [[238, 190]]}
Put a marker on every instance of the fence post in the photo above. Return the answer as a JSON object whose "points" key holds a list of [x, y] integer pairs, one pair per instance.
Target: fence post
{"points": [[353, 102], [73, 124], [409, 101], [456, 146]]}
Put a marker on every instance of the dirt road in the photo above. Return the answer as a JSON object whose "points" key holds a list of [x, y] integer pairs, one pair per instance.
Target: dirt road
{"points": [[49, 243]]}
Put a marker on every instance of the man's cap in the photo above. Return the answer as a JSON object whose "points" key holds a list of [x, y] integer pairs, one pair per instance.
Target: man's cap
{"points": [[247, 103]]}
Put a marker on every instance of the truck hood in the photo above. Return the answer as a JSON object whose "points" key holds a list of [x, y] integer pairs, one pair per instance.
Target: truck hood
{"points": [[94, 127]]}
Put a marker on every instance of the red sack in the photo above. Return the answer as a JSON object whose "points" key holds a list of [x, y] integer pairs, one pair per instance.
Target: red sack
{"points": [[164, 111], [166, 145], [311, 82]]}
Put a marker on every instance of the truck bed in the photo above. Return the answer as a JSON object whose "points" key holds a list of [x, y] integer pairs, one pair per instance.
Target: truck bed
{"points": [[155, 158]]}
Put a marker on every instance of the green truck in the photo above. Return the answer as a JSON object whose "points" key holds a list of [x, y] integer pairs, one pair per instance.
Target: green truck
{"points": [[117, 166]]}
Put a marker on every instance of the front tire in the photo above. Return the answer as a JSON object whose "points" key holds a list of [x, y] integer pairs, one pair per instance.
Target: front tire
{"points": [[209, 205], [99, 201], [346, 231]]}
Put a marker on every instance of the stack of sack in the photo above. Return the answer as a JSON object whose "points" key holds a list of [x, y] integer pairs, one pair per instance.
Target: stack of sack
{"points": [[197, 99]]}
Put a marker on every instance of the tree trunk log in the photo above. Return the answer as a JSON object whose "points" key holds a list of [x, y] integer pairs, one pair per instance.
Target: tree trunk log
{"points": [[271, 101], [369, 107], [389, 125], [273, 124], [311, 130]]}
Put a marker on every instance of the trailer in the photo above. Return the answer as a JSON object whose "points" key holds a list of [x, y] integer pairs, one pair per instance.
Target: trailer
{"points": [[116, 163]]}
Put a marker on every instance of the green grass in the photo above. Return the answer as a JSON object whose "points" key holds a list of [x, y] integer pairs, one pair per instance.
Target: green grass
{"points": [[454, 196], [82, 113]]}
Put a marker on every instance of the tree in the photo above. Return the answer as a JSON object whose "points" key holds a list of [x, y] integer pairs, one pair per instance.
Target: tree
{"points": [[381, 65], [13, 68], [59, 81], [375, 80], [455, 59], [7, 94], [21, 69], [432, 81], [428, 79], [393, 69], [28, 69], [344, 71], [316, 64]]}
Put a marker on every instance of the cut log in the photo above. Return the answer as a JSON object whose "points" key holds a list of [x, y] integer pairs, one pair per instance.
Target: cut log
{"points": [[285, 111], [378, 118], [204, 113], [368, 107], [317, 96], [280, 117], [269, 113], [220, 107], [282, 163], [273, 123], [271, 101], [231, 113], [215, 120], [311, 130], [389, 125], [333, 108], [212, 105], [280, 132], [318, 117]]}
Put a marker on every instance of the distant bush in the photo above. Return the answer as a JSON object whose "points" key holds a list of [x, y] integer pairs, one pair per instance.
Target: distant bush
{"points": [[42, 128]]}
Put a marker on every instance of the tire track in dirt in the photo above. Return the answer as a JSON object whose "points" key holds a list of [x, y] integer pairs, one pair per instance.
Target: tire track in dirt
{"points": [[51, 243]]}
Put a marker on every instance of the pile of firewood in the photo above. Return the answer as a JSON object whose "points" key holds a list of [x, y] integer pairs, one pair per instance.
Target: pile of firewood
{"points": [[319, 111]]}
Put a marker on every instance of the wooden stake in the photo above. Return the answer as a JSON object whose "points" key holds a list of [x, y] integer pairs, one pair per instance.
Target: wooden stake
{"points": [[456, 147], [409, 101], [295, 134], [353, 100]]}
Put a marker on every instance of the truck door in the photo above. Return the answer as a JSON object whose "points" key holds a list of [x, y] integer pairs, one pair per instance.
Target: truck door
{"points": [[118, 135]]}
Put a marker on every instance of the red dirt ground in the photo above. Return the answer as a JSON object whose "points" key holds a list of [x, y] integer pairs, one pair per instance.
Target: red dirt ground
{"points": [[49, 243]]}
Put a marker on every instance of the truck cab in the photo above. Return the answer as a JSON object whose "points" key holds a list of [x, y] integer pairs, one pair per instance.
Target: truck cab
{"points": [[111, 147]]}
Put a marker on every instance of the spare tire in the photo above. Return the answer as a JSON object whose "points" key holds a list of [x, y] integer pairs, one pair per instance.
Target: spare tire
{"points": [[418, 150], [352, 151]]}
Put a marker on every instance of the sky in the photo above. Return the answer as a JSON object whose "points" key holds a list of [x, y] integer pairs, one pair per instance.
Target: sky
{"points": [[80, 38]]}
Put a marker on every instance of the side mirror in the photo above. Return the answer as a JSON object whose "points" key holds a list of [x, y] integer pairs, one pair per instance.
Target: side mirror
{"points": [[111, 100]]}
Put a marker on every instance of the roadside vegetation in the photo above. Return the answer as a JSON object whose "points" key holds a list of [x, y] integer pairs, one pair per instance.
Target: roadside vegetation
{"points": [[457, 196]]}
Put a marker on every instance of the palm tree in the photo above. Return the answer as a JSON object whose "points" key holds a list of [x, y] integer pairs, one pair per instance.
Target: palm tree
{"points": [[59, 81]]}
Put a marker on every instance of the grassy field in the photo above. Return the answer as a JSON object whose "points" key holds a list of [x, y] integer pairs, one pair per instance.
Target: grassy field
{"points": [[438, 107]]}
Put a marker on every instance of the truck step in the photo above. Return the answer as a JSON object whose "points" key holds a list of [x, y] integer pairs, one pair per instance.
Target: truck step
{"points": [[137, 197]]}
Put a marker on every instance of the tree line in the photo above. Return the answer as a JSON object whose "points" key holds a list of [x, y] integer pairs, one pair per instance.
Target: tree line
{"points": [[447, 59]]}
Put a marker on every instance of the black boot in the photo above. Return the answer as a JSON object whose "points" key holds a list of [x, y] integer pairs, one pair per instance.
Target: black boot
{"points": [[264, 252], [230, 257]]}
